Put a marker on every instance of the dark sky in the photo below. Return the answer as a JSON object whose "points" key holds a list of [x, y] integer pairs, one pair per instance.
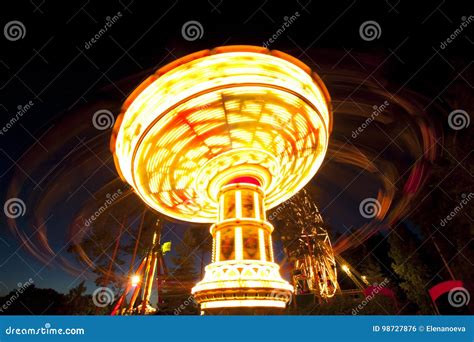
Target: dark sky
{"points": [[68, 78]]}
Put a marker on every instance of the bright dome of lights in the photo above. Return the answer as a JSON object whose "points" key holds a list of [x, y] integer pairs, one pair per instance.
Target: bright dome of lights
{"points": [[208, 117]]}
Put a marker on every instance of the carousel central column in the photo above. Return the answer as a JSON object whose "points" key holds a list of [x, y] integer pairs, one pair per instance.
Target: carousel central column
{"points": [[242, 272]]}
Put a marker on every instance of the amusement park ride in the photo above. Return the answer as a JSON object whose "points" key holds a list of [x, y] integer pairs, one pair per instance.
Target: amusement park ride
{"points": [[221, 136], [152, 267], [309, 248]]}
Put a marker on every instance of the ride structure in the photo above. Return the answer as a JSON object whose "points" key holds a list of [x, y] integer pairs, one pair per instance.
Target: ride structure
{"points": [[220, 136], [152, 270], [308, 246]]}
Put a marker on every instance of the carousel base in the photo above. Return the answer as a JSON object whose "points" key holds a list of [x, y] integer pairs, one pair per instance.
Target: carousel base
{"points": [[243, 311], [243, 287]]}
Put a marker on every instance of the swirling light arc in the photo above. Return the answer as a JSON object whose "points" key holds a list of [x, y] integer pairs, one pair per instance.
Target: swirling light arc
{"points": [[208, 117]]}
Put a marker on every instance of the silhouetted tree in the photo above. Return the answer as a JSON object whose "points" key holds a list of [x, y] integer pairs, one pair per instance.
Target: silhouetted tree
{"points": [[410, 267]]}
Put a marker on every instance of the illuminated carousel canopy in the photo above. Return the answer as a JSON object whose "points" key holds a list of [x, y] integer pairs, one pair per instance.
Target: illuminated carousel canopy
{"points": [[212, 116]]}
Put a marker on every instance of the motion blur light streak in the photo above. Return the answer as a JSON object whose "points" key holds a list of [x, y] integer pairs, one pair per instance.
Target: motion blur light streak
{"points": [[82, 150]]}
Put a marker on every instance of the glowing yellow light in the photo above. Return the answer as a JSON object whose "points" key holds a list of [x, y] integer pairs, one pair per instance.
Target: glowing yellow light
{"points": [[238, 243], [135, 280], [243, 303], [261, 244], [175, 129], [346, 269]]}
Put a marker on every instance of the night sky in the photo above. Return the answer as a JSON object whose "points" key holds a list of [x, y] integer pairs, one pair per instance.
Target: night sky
{"points": [[56, 161]]}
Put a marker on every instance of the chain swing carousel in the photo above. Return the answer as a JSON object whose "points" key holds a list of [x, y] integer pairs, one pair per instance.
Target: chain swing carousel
{"points": [[220, 136]]}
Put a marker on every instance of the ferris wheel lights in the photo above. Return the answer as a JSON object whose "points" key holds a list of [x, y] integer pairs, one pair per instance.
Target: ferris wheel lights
{"points": [[346, 269]]}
